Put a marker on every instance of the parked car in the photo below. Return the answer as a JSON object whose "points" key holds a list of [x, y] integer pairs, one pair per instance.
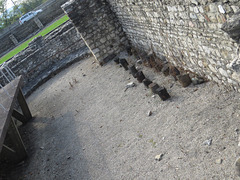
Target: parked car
{"points": [[26, 17]]}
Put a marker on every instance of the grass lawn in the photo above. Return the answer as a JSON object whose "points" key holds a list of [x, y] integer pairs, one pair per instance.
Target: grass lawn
{"points": [[41, 33]]}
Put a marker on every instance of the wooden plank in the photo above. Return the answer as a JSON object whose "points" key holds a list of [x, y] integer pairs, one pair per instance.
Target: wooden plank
{"points": [[19, 116], [17, 143], [23, 104], [8, 103], [7, 154]]}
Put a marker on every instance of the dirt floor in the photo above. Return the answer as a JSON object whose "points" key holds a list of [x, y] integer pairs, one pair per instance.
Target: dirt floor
{"points": [[87, 126]]}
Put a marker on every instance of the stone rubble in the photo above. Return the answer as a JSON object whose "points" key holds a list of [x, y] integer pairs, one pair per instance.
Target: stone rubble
{"points": [[208, 142], [219, 161], [149, 113], [159, 157]]}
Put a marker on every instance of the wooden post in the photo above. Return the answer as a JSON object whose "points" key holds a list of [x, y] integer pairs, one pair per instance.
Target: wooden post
{"points": [[19, 116], [14, 40], [38, 22], [23, 104], [7, 154], [18, 147]]}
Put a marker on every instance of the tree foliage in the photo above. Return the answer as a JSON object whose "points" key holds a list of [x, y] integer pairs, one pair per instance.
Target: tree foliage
{"points": [[29, 5], [9, 16], [3, 5]]}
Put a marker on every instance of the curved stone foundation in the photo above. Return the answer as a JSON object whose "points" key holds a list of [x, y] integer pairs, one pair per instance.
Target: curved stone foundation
{"points": [[44, 57]]}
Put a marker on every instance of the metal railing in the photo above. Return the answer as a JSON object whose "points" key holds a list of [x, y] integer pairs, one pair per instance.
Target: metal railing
{"points": [[7, 77]]}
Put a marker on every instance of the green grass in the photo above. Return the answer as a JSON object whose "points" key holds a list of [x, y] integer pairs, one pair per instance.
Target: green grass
{"points": [[41, 33]]}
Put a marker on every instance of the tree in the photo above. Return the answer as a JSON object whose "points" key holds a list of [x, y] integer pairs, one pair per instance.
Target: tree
{"points": [[7, 17], [3, 14], [29, 5], [2, 6]]}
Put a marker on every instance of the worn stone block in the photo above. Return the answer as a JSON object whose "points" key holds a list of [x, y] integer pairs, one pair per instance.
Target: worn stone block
{"points": [[163, 94], [174, 72], [140, 76], [147, 82], [98, 26], [129, 50], [232, 26], [187, 35], [116, 60], [124, 63], [153, 87], [184, 80], [133, 70], [197, 80], [165, 70]]}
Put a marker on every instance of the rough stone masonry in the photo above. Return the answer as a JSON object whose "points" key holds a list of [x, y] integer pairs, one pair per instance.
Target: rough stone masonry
{"points": [[42, 58], [98, 26], [189, 33], [15, 34]]}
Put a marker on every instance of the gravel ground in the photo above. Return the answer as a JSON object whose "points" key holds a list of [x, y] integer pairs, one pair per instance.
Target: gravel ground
{"points": [[87, 127]]}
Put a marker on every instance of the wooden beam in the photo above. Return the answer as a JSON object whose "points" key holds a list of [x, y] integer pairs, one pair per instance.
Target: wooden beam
{"points": [[7, 154], [23, 104], [19, 116], [17, 144]]}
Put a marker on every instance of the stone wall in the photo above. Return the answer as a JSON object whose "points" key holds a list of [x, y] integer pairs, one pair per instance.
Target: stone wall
{"points": [[186, 32], [46, 56], [98, 26], [51, 10]]}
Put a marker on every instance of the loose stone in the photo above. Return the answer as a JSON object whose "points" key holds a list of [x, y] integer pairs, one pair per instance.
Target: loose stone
{"points": [[139, 61], [159, 157], [131, 84], [208, 142], [197, 80], [219, 161], [149, 113]]}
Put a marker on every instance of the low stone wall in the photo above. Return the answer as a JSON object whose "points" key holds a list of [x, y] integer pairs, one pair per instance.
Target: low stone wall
{"points": [[98, 26], [51, 10], [187, 33], [46, 56]]}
